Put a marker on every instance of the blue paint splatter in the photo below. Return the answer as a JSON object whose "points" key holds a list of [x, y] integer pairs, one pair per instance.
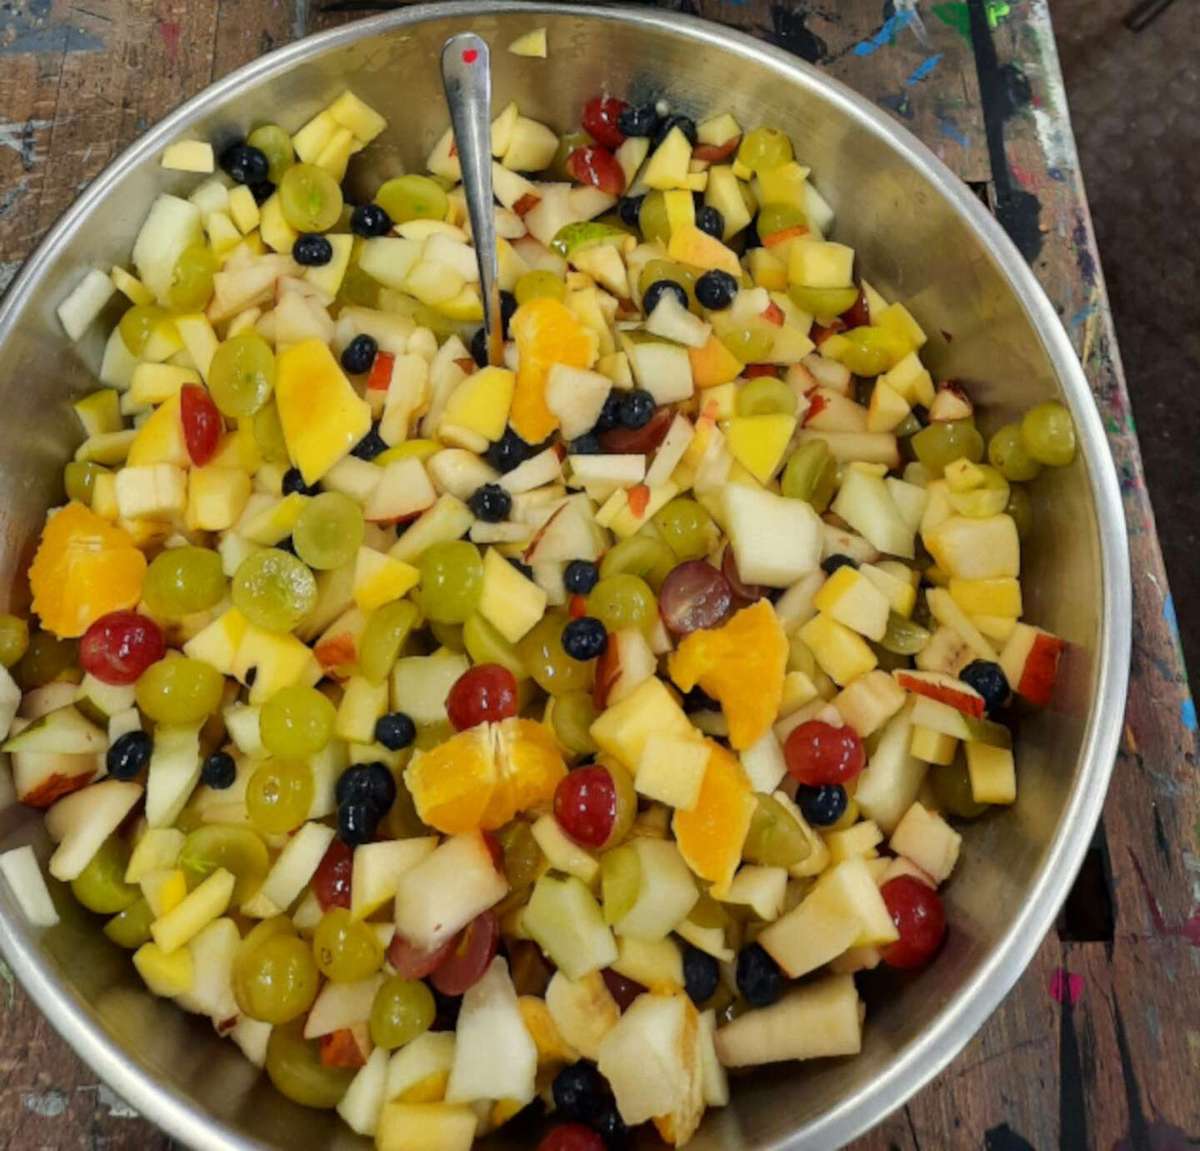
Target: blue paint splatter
{"points": [[923, 70], [1168, 613], [886, 35], [1187, 713], [952, 131], [1082, 316]]}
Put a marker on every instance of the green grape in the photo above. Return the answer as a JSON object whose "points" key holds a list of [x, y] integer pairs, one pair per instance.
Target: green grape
{"points": [[310, 198], [268, 435], [137, 324], [329, 531], [241, 376], [952, 787], [191, 284], [539, 285], [402, 821], [1006, 451], [451, 581], [14, 639], [641, 555], [448, 635], [431, 735], [294, 1067], [279, 796], [766, 397], [180, 581], [46, 658], [523, 859], [620, 881], [774, 218], [823, 303], [412, 198], [1049, 434], [178, 690], [274, 143], [131, 928], [622, 601], [750, 345], [403, 1009], [571, 716], [484, 644], [908, 426], [346, 949], [775, 838], [79, 478], [101, 885], [274, 590], [903, 636], [386, 629], [872, 350], [568, 142], [708, 913], [277, 981], [238, 849], [296, 721], [810, 474], [652, 218], [541, 652], [1020, 507], [687, 528], [763, 149], [945, 441], [655, 270]]}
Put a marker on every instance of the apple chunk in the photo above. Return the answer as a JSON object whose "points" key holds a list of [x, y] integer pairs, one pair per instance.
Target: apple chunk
{"points": [[83, 820], [775, 540]]}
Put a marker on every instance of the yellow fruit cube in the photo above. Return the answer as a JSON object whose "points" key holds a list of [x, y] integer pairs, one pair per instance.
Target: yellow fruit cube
{"points": [[157, 383], [217, 644], [279, 660], [821, 264], [166, 975], [681, 209], [275, 521], [798, 689], [275, 231], [223, 234], [157, 849], [897, 318], [310, 139], [328, 277], [910, 379], [164, 889], [786, 184], [379, 579], [189, 156], [531, 44], [668, 165], [840, 653], [932, 746], [671, 769], [199, 339], [509, 601], [194, 913], [996, 597], [335, 156], [767, 270], [623, 729], [899, 591], [216, 498], [630, 516], [363, 703], [689, 245], [993, 773], [131, 287], [993, 627], [758, 443], [481, 402], [160, 439], [852, 599], [238, 449], [322, 415], [243, 209], [426, 1127], [350, 112]]}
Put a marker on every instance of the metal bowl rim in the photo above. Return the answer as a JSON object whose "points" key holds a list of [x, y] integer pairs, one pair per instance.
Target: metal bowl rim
{"points": [[918, 1062]]}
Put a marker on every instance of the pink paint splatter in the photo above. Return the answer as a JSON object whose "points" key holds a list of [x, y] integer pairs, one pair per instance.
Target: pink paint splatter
{"points": [[170, 32], [1065, 986], [1024, 176]]}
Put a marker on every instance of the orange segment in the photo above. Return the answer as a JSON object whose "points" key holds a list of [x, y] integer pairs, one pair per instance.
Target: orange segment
{"points": [[710, 836], [741, 664], [547, 333], [452, 784], [84, 568], [531, 761]]}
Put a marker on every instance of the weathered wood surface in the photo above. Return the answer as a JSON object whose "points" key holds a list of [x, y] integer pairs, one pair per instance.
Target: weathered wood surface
{"points": [[1099, 1044]]}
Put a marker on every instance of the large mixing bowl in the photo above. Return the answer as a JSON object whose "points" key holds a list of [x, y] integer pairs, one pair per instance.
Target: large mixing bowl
{"points": [[920, 237]]}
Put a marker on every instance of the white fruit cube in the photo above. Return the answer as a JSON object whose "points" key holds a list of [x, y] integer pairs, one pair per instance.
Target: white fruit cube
{"points": [[174, 772], [366, 1095], [775, 540], [975, 549], [763, 761], [667, 891], [85, 303], [671, 769], [563, 853], [818, 264], [992, 773], [928, 840], [216, 497], [509, 601], [565, 921], [80, 822], [583, 1010], [762, 889], [644, 1057], [363, 703], [378, 868], [663, 370], [424, 1061], [153, 491], [866, 504], [892, 778], [421, 683], [296, 864], [24, 877], [575, 397]]}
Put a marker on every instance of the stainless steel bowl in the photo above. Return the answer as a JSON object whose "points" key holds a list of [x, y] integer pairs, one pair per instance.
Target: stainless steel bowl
{"points": [[921, 236]]}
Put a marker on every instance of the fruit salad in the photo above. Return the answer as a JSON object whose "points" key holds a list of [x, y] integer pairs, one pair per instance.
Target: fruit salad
{"points": [[471, 741]]}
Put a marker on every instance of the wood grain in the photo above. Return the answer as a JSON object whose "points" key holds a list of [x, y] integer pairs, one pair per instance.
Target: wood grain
{"points": [[979, 82]]}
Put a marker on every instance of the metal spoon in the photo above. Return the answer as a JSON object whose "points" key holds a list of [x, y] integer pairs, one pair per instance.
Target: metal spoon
{"points": [[467, 78]]}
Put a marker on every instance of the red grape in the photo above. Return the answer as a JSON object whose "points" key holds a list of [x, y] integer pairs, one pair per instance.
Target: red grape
{"points": [[585, 805], [571, 1137], [600, 116], [486, 693], [917, 912], [638, 441], [859, 313], [474, 949], [202, 425], [412, 962], [331, 883], [818, 753], [715, 153], [694, 595], [623, 990], [598, 167], [755, 371], [749, 592], [119, 646]]}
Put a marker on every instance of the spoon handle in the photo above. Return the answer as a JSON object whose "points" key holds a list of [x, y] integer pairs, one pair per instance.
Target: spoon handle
{"points": [[467, 77]]}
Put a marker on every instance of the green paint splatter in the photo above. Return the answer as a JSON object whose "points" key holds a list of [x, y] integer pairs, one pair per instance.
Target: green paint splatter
{"points": [[956, 16], [997, 12], [10, 984]]}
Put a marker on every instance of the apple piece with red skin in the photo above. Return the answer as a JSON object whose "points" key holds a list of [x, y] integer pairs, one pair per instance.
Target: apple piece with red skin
{"points": [[349, 1047], [627, 662], [944, 688], [1030, 662], [950, 403], [715, 153]]}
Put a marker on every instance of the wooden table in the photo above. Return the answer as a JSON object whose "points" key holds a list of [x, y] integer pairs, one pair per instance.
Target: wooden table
{"points": [[1099, 1044]]}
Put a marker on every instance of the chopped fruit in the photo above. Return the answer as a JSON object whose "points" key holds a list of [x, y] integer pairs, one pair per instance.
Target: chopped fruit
{"points": [[711, 835], [1030, 663], [916, 909], [546, 333], [818, 753]]}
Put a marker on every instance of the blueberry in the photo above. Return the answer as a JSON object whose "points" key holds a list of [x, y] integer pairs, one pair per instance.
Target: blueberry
{"points": [[700, 974], [586, 445], [584, 638], [479, 347], [609, 1125], [581, 1093], [638, 120], [580, 577], [262, 191], [380, 787], [245, 165], [129, 754], [357, 823], [370, 220], [989, 680], [371, 445], [716, 290], [822, 805], [352, 785], [759, 978], [293, 481], [508, 451], [359, 354], [710, 220], [609, 415], [629, 210], [312, 251], [684, 123], [637, 406], [508, 308], [830, 564], [524, 569], [490, 503], [660, 288], [219, 771], [395, 730]]}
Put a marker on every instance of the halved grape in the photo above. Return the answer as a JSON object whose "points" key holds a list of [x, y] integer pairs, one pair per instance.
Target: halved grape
{"points": [[1020, 507], [523, 859], [903, 636], [277, 980], [775, 838], [295, 1068], [412, 197], [241, 376], [180, 581], [137, 324], [191, 284], [383, 637], [673, 272], [751, 345], [296, 721], [810, 474], [274, 590], [780, 217], [101, 885], [766, 396], [1007, 451], [329, 531], [45, 659], [687, 528], [179, 690], [622, 601], [542, 653], [620, 881], [642, 555], [695, 595], [951, 785], [279, 795], [131, 928], [451, 581], [346, 949], [274, 143], [763, 149], [539, 285], [237, 849], [310, 198], [652, 218], [945, 441]]}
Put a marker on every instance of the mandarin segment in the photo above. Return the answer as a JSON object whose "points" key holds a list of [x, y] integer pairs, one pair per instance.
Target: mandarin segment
{"points": [[452, 784], [711, 835], [531, 760], [547, 333]]}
